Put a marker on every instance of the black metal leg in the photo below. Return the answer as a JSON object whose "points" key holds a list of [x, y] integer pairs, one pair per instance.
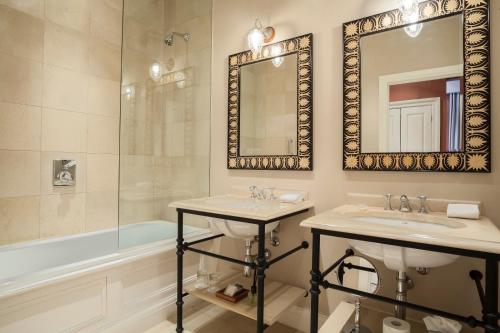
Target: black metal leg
{"points": [[315, 282], [180, 253], [490, 315], [261, 268]]}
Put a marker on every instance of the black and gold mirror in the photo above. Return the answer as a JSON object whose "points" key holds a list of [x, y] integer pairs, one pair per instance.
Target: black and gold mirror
{"points": [[270, 107], [417, 89]]}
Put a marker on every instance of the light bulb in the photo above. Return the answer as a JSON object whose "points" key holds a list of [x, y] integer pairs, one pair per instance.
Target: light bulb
{"points": [[155, 71], [414, 29], [129, 92], [275, 52], [256, 38]]}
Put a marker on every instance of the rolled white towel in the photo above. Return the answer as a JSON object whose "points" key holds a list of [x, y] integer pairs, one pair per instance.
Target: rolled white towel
{"points": [[291, 197], [463, 211]]}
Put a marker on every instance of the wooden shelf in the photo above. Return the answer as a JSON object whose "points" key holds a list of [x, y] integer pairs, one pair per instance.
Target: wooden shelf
{"points": [[278, 296]]}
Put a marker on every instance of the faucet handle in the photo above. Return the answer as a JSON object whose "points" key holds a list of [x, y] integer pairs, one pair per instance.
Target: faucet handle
{"points": [[253, 191], [423, 207], [388, 197]]}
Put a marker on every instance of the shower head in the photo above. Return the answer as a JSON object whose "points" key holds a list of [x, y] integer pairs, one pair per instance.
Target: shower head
{"points": [[169, 39]]}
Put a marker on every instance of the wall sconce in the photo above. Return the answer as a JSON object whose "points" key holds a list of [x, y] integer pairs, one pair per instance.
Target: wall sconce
{"points": [[156, 71], [275, 52], [409, 11], [258, 36], [129, 92]]}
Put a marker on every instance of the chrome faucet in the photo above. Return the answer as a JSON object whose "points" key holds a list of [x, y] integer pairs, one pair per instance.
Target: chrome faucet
{"points": [[405, 204], [423, 207]]}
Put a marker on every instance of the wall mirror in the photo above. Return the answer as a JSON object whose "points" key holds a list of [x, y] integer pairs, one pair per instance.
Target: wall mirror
{"points": [[270, 107], [417, 94]]}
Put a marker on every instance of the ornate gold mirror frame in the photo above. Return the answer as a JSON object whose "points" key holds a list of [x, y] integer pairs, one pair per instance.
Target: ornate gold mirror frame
{"points": [[302, 46], [477, 154]]}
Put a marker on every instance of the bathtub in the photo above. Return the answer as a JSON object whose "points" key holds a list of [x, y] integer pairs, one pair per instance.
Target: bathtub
{"points": [[31, 263], [104, 281]]}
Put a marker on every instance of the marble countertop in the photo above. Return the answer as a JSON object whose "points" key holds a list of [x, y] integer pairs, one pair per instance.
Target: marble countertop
{"points": [[242, 206], [433, 228]]}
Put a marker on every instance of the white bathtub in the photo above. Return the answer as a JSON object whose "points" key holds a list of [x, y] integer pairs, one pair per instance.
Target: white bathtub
{"points": [[88, 284], [32, 262]]}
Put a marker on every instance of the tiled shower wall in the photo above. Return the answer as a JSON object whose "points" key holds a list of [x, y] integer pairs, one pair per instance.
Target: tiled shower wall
{"points": [[59, 99]]}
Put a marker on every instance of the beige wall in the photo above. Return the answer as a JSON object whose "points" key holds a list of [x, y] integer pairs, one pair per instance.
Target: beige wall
{"points": [[59, 99], [446, 287], [438, 45]]}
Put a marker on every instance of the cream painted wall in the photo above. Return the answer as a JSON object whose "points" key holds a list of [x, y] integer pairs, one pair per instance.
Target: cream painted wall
{"points": [[328, 184]]}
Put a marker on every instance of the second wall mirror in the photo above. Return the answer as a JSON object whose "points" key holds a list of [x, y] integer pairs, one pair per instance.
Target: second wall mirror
{"points": [[270, 107], [416, 89]]}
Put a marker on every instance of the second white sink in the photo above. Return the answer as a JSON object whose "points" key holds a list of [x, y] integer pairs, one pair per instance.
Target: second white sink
{"points": [[400, 258], [241, 230]]}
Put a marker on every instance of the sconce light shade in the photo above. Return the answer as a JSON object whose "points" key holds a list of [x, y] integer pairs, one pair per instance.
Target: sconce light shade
{"points": [[275, 52], [409, 11], [156, 71], [258, 36], [255, 40]]}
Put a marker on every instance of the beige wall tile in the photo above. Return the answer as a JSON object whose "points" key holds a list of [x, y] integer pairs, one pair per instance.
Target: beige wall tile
{"points": [[102, 172], [106, 21], [21, 80], [136, 207], [19, 219], [103, 97], [47, 172], [19, 173], [31, 7], [20, 127], [64, 89], [101, 211], [64, 131], [105, 60], [103, 134], [65, 47], [73, 14], [21, 34], [62, 214]]}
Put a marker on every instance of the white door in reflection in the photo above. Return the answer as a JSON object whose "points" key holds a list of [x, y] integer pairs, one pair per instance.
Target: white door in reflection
{"points": [[414, 126]]}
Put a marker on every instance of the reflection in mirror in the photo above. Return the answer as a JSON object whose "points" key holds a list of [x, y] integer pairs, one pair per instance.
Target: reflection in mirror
{"points": [[358, 273], [412, 89], [268, 107]]}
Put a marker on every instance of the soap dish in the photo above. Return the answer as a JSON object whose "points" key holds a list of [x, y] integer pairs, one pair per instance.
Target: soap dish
{"points": [[243, 293]]}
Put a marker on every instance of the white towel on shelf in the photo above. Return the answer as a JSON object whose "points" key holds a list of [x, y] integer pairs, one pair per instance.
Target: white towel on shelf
{"points": [[463, 211], [440, 324]]}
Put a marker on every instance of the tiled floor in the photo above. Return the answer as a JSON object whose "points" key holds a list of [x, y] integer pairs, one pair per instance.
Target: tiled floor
{"points": [[211, 319]]}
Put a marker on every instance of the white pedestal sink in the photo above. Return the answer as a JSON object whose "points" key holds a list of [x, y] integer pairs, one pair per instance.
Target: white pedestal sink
{"points": [[244, 207], [240, 230], [398, 258]]}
